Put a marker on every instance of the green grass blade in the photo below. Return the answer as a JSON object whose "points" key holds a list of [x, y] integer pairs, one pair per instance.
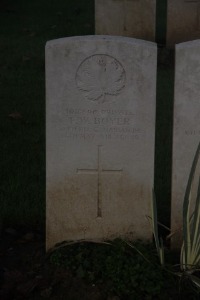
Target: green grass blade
{"points": [[136, 249], [195, 280], [195, 233], [162, 255], [186, 250], [159, 246], [196, 229], [155, 220]]}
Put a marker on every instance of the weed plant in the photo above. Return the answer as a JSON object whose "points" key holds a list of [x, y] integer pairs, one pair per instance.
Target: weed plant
{"points": [[190, 251], [121, 270]]}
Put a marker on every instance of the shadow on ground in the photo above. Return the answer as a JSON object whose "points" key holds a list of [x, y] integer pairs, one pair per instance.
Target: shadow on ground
{"points": [[26, 273]]}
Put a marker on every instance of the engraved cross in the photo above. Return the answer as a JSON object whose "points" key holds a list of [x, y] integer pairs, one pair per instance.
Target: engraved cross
{"points": [[198, 11], [99, 171]]}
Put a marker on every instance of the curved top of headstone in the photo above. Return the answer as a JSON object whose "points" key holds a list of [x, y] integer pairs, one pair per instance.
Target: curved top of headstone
{"points": [[103, 38], [188, 44]]}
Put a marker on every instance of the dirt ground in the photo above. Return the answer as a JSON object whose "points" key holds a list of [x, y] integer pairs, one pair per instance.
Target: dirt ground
{"points": [[26, 273]]}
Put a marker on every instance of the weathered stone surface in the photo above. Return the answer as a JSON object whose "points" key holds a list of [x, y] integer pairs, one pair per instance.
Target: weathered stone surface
{"points": [[100, 124], [186, 127], [183, 21], [131, 18]]}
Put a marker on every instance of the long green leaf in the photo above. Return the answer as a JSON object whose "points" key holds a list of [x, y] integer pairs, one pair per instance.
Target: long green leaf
{"points": [[186, 249], [159, 246], [195, 234], [195, 280]]}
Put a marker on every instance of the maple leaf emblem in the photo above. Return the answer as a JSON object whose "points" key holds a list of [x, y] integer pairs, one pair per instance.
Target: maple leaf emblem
{"points": [[99, 76]]}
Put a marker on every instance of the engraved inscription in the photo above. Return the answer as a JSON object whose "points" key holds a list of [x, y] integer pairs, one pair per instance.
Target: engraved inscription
{"points": [[101, 124], [100, 77], [99, 171], [192, 132]]}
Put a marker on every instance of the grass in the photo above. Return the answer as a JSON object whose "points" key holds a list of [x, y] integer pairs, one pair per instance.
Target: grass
{"points": [[190, 251], [190, 254], [116, 265], [121, 270]]}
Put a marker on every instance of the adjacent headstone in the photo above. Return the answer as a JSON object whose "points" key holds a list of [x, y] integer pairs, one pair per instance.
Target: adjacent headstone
{"points": [[183, 21], [186, 128], [100, 126], [131, 18]]}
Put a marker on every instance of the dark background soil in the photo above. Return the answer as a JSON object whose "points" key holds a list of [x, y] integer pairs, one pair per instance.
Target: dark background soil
{"points": [[26, 273]]}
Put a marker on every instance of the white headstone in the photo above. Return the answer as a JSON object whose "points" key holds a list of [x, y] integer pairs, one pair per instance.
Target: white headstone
{"points": [[100, 126], [183, 21], [131, 18], [186, 127]]}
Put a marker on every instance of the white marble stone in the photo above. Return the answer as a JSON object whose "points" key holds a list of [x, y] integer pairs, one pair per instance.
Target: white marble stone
{"points": [[100, 126], [183, 21], [131, 18], [186, 134]]}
